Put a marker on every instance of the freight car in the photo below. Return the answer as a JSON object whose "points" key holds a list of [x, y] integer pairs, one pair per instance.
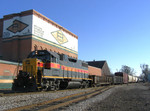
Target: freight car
{"points": [[123, 75], [97, 79], [127, 78], [46, 70], [132, 79], [101, 80], [106, 80], [117, 80]]}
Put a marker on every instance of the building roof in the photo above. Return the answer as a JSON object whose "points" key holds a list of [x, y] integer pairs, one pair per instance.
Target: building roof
{"points": [[98, 64]]}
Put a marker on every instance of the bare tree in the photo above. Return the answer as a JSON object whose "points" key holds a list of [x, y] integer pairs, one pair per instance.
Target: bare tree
{"points": [[145, 71], [127, 69]]}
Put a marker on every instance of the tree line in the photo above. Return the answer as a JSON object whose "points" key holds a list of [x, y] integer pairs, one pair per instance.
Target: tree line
{"points": [[145, 71]]}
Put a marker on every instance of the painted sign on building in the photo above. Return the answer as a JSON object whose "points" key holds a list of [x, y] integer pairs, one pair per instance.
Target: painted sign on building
{"points": [[39, 29], [17, 26], [47, 31]]}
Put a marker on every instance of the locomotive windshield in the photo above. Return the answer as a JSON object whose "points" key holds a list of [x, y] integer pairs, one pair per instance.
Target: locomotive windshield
{"points": [[44, 55]]}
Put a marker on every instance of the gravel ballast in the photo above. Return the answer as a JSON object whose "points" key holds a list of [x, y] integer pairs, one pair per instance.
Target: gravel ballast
{"points": [[9, 102], [131, 97]]}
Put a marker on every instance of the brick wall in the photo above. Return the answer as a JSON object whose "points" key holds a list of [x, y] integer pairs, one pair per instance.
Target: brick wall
{"points": [[16, 49], [94, 71], [43, 46], [8, 68], [8, 71], [105, 69]]}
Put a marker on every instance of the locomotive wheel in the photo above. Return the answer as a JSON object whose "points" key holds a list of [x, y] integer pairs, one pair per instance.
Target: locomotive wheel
{"points": [[57, 86], [84, 84]]}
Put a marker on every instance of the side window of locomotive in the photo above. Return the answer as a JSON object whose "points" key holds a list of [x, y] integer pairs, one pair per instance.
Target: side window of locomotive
{"points": [[54, 59], [47, 57]]}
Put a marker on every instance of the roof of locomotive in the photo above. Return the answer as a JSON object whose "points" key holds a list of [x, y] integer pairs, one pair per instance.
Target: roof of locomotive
{"points": [[40, 52], [53, 53], [64, 59]]}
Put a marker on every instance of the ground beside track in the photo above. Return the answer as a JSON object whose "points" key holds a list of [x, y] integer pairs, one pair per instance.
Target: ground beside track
{"points": [[132, 97]]}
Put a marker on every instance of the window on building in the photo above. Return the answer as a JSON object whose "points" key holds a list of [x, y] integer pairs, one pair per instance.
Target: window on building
{"points": [[35, 47], [41, 47]]}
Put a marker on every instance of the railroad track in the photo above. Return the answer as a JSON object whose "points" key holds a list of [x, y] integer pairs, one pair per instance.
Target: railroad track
{"points": [[20, 93], [11, 93], [63, 101]]}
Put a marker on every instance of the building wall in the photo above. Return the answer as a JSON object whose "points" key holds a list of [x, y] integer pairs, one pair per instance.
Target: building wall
{"points": [[1, 31], [8, 71], [102, 65], [105, 69], [46, 31], [94, 71], [42, 46], [23, 31], [16, 48]]}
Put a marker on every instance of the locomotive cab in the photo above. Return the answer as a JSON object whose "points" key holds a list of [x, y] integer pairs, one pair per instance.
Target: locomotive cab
{"points": [[34, 68], [30, 77]]}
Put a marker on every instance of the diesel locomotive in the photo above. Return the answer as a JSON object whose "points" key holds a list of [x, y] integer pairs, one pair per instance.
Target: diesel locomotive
{"points": [[46, 70]]}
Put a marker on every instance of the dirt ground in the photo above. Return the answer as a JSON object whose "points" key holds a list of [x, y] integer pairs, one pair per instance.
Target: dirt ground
{"points": [[131, 97]]}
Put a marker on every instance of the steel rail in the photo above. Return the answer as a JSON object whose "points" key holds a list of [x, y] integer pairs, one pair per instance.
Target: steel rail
{"points": [[2, 94]]}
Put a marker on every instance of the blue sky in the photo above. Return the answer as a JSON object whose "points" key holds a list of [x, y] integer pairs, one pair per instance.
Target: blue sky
{"points": [[114, 30]]}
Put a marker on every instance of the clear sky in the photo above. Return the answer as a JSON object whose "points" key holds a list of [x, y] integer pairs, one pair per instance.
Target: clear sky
{"points": [[117, 31]]}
